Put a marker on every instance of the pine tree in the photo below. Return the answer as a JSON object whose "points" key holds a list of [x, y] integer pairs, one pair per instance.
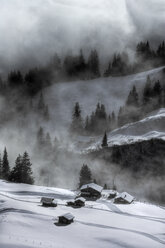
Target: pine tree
{"points": [[16, 174], [147, 94], [5, 166], [85, 175], [40, 138], [95, 181], [77, 123], [133, 99], [105, 186], [157, 94], [104, 141], [26, 169], [93, 64], [113, 120], [121, 120]]}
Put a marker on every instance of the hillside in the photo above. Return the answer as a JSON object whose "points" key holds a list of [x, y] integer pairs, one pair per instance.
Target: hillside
{"points": [[25, 223], [61, 97], [151, 127]]}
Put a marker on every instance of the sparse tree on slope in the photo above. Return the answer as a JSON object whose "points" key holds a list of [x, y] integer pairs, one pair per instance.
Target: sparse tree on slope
{"points": [[104, 141], [26, 170], [77, 124], [5, 166], [85, 175], [16, 174]]}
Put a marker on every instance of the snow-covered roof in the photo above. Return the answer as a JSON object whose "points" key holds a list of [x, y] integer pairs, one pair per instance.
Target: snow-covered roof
{"points": [[93, 186], [67, 216], [71, 201], [110, 191], [46, 200], [82, 199], [125, 196]]}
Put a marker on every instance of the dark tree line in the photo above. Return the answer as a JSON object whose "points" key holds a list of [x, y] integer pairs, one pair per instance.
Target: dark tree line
{"points": [[70, 68], [21, 171], [94, 123], [145, 58], [73, 67], [137, 105], [44, 144]]}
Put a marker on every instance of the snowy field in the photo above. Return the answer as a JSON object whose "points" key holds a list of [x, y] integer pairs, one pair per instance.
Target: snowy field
{"points": [[24, 223]]}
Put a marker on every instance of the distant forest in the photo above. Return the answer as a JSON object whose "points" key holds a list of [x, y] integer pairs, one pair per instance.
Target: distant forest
{"points": [[78, 67], [136, 106]]}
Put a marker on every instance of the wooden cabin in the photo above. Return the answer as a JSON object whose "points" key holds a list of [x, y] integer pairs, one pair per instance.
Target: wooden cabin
{"points": [[91, 190], [112, 194], [66, 219], [48, 202], [71, 203], [124, 198], [80, 202]]}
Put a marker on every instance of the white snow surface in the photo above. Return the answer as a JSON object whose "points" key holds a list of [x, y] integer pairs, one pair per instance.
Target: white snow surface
{"points": [[153, 126], [24, 223]]}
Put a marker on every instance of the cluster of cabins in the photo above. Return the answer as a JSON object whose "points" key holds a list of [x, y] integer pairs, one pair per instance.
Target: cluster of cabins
{"points": [[90, 192]]}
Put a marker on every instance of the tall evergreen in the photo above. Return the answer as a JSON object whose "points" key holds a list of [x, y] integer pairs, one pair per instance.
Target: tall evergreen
{"points": [[147, 93], [85, 175], [26, 169], [104, 140], [157, 94], [5, 165], [77, 123], [94, 64], [40, 138], [133, 99], [16, 174], [87, 124]]}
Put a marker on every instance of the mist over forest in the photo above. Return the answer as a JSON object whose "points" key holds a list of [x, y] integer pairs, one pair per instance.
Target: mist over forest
{"points": [[71, 72]]}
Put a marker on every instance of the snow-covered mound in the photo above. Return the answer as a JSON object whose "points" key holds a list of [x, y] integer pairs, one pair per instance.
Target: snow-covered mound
{"points": [[24, 223], [150, 127]]}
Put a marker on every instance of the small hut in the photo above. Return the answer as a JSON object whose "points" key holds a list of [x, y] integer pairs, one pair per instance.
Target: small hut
{"points": [[66, 219], [48, 202], [80, 202], [124, 198], [71, 203], [91, 190], [112, 194]]}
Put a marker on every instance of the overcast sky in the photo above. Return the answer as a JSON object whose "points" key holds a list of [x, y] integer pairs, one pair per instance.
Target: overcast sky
{"points": [[32, 30]]}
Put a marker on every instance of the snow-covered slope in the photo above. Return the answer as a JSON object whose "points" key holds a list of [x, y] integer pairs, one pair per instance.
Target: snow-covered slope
{"points": [[24, 223], [150, 127]]}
